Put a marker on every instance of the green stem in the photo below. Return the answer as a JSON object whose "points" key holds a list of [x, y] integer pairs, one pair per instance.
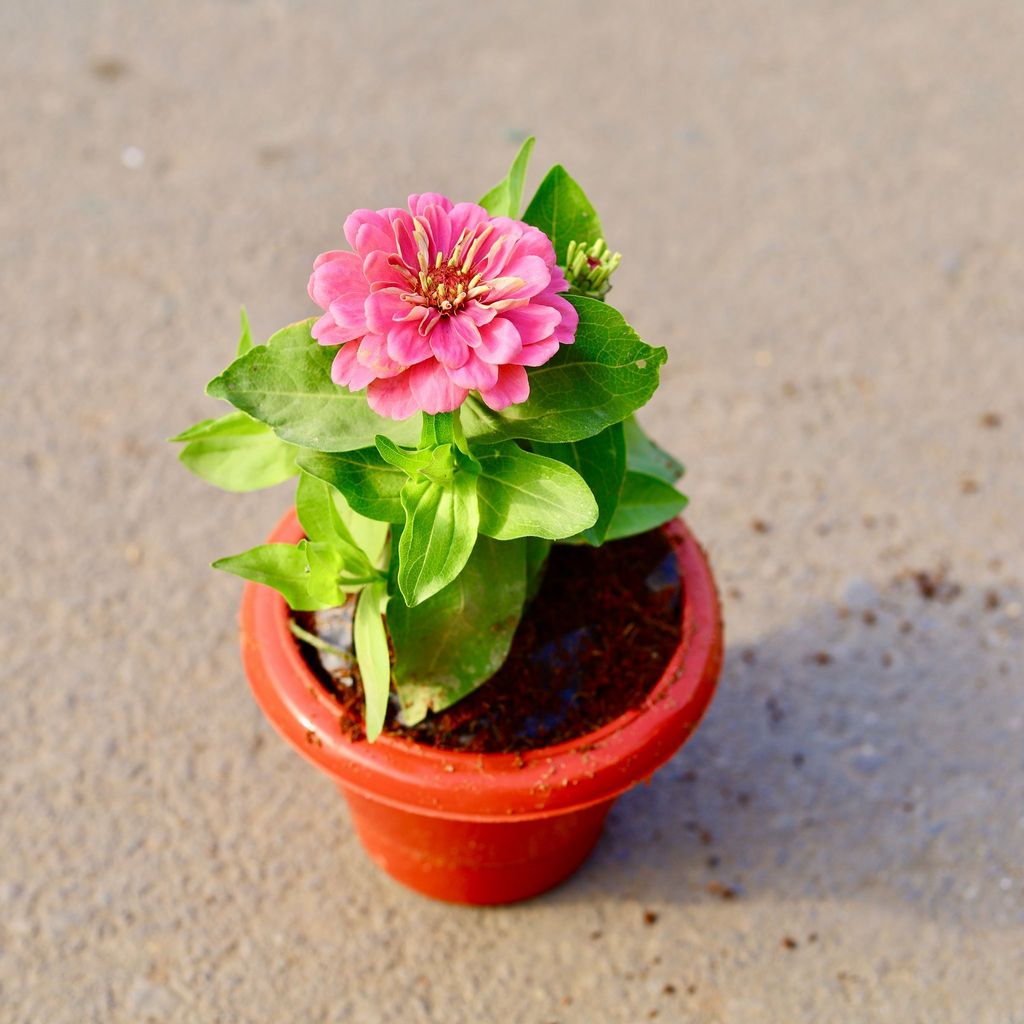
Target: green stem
{"points": [[437, 429], [313, 640]]}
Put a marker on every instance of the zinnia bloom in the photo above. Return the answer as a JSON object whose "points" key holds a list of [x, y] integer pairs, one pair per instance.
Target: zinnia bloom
{"points": [[437, 301]]}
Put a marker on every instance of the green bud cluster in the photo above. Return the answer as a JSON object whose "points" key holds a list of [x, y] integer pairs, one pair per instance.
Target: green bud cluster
{"points": [[588, 268]]}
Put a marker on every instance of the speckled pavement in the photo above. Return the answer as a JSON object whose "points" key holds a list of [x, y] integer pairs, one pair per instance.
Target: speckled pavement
{"points": [[820, 207]]}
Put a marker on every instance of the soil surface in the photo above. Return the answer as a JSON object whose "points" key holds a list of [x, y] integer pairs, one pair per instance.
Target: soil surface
{"points": [[590, 646]]}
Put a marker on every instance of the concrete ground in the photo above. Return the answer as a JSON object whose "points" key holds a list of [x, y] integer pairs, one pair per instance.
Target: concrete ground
{"points": [[820, 206]]}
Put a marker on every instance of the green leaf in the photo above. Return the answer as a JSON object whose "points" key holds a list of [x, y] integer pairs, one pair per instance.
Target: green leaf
{"points": [[644, 456], [306, 578], [645, 502], [237, 453], [441, 521], [287, 385], [320, 510], [370, 485], [371, 643], [561, 209], [245, 339], [601, 378], [448, 645], [503, 200], [409, 462], [601, 461], [526, 495]]}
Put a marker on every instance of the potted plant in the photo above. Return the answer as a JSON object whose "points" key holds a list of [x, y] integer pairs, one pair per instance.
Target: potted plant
{"points": [[483, 618]]}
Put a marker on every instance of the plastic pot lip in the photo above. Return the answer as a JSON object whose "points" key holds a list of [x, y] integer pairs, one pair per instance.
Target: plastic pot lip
{"points": [[488, 787]]}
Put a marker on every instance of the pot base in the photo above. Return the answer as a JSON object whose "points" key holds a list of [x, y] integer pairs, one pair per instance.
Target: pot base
{"points": [[475, 862]]}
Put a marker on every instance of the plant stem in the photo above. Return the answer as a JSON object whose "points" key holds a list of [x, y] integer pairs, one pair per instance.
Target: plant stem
{"points": [[314, 641]]}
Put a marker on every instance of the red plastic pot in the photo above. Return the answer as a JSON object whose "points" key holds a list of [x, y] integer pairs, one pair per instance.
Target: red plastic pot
{"points": [[485, 828]]}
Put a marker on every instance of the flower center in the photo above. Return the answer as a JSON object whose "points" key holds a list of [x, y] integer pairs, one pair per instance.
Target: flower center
{"points": [[448, 283]]}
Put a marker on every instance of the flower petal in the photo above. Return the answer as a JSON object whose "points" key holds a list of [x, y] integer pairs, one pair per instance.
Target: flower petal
{"points": [[474, 374], [327, 332], [452, 339], [513, 386], [406, 345], [392, 397], [369, 230], [383, 308], [337, 275], [346, 370], [373, 354], [433, 389], [380, 272], [534, 322], [418, 203], [537, 353], [499, 342]]}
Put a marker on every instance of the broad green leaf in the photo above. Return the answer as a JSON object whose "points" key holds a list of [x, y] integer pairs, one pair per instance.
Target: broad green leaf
{"points": [[537, 551], [317, 506], [441, 521], [601, 461], [448, 645], [503, 200], [562, 211], [370, 485], [306, 584], [645, 502], [644, 456], [370, 536], [371, 643], [245, 338], [521, 494], [601, 378], [287, 385], [237, 453]]}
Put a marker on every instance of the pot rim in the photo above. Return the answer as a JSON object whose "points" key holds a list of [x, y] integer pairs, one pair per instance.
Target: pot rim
{"points": [[568, 776]]}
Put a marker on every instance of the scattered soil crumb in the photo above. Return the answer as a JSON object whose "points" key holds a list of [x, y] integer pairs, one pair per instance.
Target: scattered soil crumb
{"points": [[596, 934], [668, 990], [822, 658], [760, 526], [812, 937], [713, 861], [650, 917], [935, 585], [969, 486], [109, 69], [992, 600], [789, 942], [725, 892], [991, 420], [869, 617]]}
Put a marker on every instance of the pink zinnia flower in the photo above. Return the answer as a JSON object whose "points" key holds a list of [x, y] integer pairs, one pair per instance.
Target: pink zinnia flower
{"points": [[437, 301]]}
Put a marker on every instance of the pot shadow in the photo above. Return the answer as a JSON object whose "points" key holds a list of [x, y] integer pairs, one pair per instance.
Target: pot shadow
{"points": [[869, 752]]}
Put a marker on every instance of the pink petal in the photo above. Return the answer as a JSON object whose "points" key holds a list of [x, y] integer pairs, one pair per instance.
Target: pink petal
{"points": [[380, 272], [475, 374], [513, 386], [452, 339], [392, 396], [407, 247], [478, 312], [346, 371], [466, 215], [368, 230], [532, 271], [432, 388], [327, 332], [406, 345], [373, 354], [534, 322], [565, 332], [537, 353], [383, 308], [439, 228], [499, 342], [418, 203], [337, 275]]}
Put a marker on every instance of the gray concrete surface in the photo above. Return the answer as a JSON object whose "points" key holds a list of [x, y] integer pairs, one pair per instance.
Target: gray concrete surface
{"points": [[821, 207]]}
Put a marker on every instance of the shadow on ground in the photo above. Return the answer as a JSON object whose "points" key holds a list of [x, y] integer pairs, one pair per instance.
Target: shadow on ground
{"points": [[869, 752]]}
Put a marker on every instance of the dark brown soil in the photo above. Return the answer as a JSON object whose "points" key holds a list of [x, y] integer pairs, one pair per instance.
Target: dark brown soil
{"points": [[590, 646]]}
